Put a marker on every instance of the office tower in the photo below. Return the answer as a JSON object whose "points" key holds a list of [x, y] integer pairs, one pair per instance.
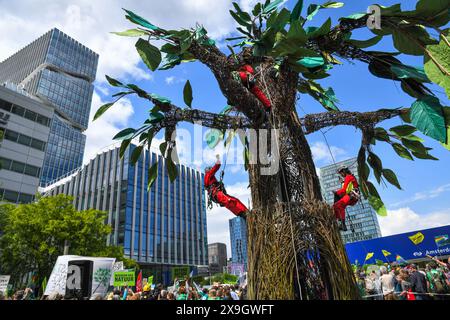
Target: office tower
{"points": [[60, 71], [217, 257], [24, 131], [362, 217], [159, 229], [238, 238]]}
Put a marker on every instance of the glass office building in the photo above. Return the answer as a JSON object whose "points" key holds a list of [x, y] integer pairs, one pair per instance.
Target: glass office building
{"points": [[160, 228], [60, 71], [362, 217], [238, 237]]}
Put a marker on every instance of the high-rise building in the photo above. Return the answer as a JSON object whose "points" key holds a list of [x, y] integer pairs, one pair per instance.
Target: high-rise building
{"points": [[217, 257], [238, 238], [161, 228], [24, 130], [61, 72], [362, 218]]}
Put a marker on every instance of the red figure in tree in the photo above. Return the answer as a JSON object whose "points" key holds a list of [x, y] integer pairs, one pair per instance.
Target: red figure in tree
{"points": [[348, 195], [218, 194], [246, 74]]}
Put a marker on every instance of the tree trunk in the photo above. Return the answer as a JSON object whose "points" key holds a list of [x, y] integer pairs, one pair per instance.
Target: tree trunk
{"points": [[294, 246]]}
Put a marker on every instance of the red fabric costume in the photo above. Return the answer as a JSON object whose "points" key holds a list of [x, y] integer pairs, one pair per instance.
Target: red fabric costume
{"points": [[345, 199], [215, 192], [245, 73]]}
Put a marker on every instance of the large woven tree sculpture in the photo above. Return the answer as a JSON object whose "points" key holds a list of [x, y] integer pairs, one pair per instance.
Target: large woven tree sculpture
{"points": [[295, 250]]}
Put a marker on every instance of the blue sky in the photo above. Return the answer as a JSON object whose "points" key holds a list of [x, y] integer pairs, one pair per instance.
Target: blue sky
{"points": [[424, 200]]}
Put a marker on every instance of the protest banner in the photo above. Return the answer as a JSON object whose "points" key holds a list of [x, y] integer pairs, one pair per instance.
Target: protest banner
{"points": [[124, 278]]}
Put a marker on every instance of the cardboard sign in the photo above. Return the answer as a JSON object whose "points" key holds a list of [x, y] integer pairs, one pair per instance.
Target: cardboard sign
{"points": [[124, 278]]}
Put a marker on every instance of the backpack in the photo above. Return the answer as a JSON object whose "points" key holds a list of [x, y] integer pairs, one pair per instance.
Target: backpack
{"points": [[437, 281]]}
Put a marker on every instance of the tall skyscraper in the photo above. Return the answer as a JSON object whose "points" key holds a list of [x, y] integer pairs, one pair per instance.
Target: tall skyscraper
{"points": [[24, 130], [61, 72], [238, 237], [160, 229], [217, 257], [362, 217]]}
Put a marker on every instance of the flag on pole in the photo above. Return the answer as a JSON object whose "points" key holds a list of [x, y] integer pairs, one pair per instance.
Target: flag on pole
{"points": [[369, 255], [386, 253], [191, 274], [139, 282], [400, 260], [150, 280], [417, 238]]}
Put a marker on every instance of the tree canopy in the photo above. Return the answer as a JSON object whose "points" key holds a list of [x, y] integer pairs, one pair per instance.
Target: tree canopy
{"points": [[288, 43]]}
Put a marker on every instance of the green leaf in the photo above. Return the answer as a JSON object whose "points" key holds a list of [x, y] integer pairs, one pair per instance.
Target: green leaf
{"points": [[441, 54], [403, 130], [131, 33], [311, 62], [313, 9], [332, 5], [411, 40], [323, 30], [378, 206], [297, 11], [136, 154], [391, 178], [423, 156], [239, 19], [213, 137], [365, 43], [152, 175], [376, 164], [125, 134], [187, 94], [102, 110], [363, 169], [123, 147], [160, 99], [415, 146], [381, 135], [155, 117], [447, 123], [427, 115], [272, 6], [297, 33], [436, 11], [402, 151], [407, 72], [257, 9], [163, 148], [114, 82], [172, 169], [140, 21], [413, 138], [355, 16], [149, 54]]}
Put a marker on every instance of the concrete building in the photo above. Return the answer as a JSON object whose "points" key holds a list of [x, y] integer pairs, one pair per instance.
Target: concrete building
{"points": [[362, 217], [60, 71], [217, 257], [238, 238], [162, 228], [25, 126]]}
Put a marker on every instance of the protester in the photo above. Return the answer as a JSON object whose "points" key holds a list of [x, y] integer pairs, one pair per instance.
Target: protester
{"points": [[418, 283], [387, 284]]}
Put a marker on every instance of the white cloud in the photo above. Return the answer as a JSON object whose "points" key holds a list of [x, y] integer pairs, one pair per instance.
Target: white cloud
{"points": [[174, 80], [100, 132], [321, 152], [424, 195], [218, 218], [406, 220]]}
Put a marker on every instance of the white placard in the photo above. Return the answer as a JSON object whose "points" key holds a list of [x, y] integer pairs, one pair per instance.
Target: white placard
{"points": [[4, 280]]}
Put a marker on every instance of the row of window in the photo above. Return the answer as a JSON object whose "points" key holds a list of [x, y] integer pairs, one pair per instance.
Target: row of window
{"points": [[20, 167], [15, 197], [25, 113], [24, 140]]}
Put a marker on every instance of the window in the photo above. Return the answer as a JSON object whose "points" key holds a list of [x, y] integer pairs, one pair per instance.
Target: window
{"points": [[5, 105], [18, 167], [37, 144], [6, 163], [25, 140], [10, 195], [18, 110], [11, 135], [32, 171], [30, 115]]}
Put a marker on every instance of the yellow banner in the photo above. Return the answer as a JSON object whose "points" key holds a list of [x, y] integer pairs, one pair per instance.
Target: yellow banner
{"points": [[369, 255], [417, 238], [386, 253]]}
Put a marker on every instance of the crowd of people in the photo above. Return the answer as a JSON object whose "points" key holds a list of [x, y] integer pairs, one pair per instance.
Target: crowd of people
{"points": [[408, 282], [159, 292]]}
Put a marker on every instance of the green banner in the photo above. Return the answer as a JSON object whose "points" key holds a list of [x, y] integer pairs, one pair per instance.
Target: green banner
{"points": [[124, 278], [180, 273]]}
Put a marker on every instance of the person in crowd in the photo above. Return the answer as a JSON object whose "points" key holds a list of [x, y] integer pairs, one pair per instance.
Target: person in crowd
{"points": [[418, 283], [437, 281], [170, 296], [182, 295], [370, 286], [212, 294], [234, 295], [163, 295], [387, 284]]}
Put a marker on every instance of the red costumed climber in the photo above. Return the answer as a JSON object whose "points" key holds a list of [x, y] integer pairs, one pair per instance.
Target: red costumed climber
{"points": [[246, 74], [217, 192], [348, 195]]}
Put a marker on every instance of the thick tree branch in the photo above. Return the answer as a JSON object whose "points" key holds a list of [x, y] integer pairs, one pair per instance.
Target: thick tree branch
{"points": [[361, 120]]}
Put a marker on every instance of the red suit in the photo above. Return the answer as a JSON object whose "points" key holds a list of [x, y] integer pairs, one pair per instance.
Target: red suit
{"points": [[216, 193], [345, 198], [245, 74]]}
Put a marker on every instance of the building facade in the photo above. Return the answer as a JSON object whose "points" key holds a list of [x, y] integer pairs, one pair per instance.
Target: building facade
{"points": [[161, 228], [362, 217], [217, 257], [238, 238], [24, 129], [61, 72]]}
